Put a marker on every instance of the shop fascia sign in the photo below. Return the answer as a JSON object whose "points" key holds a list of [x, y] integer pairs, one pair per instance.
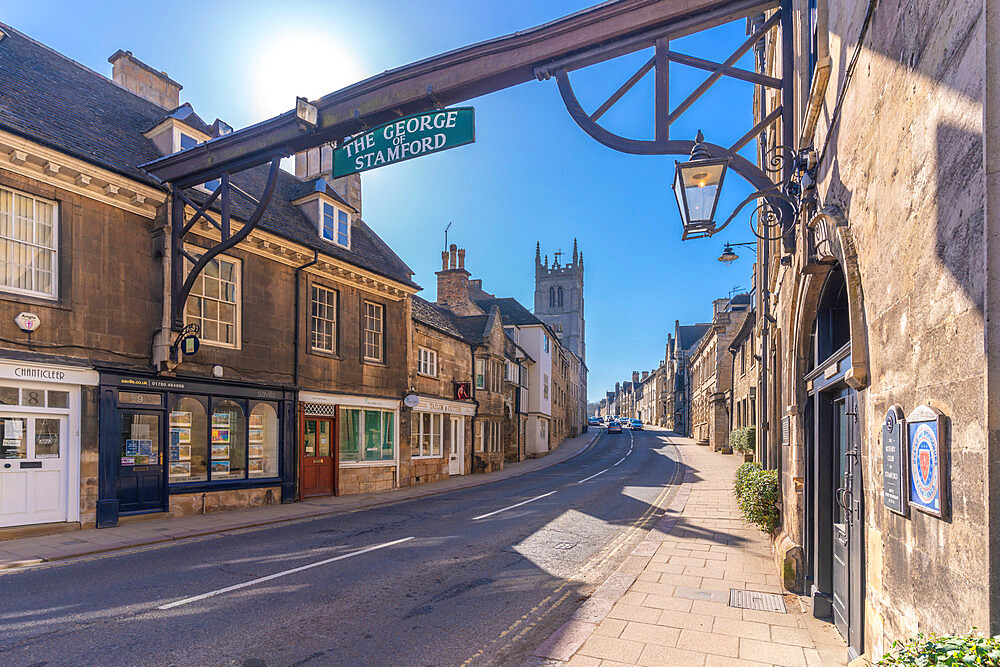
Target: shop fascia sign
{"points": [[404, 139]]}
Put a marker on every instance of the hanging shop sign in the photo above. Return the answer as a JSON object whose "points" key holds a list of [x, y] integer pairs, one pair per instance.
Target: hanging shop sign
{"points": [[463, 391], [411, 400], [927, 466], [404, 139], [894, 462]]}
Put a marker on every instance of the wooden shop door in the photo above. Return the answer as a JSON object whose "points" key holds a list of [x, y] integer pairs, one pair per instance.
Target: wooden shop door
{"points": [[318, 457]]}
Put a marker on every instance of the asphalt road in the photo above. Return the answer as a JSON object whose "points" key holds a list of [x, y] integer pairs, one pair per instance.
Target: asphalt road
{"points": [[476, 576]]}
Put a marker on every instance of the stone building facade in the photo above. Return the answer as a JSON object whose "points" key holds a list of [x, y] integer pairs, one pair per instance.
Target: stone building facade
{"points": [[881, 301]]}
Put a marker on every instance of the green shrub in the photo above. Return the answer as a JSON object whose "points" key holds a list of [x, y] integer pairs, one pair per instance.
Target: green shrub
{"points": [[743, 439], [758, 499], [943, 651], [742, 474]]}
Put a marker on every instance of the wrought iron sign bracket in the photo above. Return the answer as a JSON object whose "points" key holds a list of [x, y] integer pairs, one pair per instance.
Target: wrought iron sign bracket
{"points": [[182, 281], [778, 188]]}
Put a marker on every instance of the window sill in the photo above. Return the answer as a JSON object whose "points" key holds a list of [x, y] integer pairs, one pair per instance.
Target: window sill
{"points": [[324, 353], [373, 362], [428, 458], [33, 299], [365, 464], [427, 375]]}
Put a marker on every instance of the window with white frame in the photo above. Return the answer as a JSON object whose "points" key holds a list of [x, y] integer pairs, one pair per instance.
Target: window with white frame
{"points": [[214, 302], [28, 244], [478, 439], [427, 362], [545, 342], [335, 224], [480, 374], [545, 386], [324, 319], [425, 435], [374, 331], [495, 430]]}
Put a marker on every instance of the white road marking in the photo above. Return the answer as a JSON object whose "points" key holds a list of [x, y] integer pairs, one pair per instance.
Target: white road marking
{"points": [[269, 577], [620, 460], [523, 502], [595, 475]]}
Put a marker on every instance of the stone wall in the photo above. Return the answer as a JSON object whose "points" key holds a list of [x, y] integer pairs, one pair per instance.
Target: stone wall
{"points": [[210, 502], [903, 191]]}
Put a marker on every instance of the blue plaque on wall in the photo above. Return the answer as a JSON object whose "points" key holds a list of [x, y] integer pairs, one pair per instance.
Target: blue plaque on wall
{"points": [[926, 460]]}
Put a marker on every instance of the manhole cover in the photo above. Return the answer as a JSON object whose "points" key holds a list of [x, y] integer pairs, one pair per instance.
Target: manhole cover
{"points": [[757, 601], [565, 545]]}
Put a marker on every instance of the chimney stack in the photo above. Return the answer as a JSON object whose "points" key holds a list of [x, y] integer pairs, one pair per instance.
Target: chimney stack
{"points": [[645, 375], [137, 77], [635, 377], [453, 283]]}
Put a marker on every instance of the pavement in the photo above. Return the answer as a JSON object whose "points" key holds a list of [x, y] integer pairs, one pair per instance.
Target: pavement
{"points": [[668, 602], [33, 550], [479, 575]]}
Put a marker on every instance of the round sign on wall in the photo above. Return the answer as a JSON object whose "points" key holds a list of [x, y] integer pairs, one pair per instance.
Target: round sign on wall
{"points": [[411, 400], [27, 321]]}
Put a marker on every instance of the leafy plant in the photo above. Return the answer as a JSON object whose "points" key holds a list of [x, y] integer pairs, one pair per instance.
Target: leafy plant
{"points": [[743, 439], [759, 494], [742, 474], [943, 651]]}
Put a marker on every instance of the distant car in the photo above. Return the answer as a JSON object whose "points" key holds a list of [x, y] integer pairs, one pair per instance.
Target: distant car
{"points": [[614, 427], [595, 421], [636, 425], [625, 422]]}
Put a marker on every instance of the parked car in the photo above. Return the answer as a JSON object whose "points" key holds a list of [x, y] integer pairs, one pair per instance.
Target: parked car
{"points": [[636, 425], [595, 421], [614, 427]]}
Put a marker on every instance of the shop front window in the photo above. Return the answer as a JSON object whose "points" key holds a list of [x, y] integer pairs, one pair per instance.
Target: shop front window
{"points": [[425, 435], [263, 437], [367, 435], [188, 441], [46, 438], [228, 442]]}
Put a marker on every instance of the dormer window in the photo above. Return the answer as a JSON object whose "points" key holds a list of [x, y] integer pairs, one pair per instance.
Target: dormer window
{"points": [[335, 224]]}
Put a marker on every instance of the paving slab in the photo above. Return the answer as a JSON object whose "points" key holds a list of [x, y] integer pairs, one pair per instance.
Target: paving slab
{"points": [[675, 610]]}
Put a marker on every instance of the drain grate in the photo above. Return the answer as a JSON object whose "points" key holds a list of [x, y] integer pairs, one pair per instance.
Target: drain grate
{"points": [[757, 601]]}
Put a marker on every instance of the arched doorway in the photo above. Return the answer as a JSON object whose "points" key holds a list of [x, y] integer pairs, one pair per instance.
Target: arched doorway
{"points": [[834, 503]]}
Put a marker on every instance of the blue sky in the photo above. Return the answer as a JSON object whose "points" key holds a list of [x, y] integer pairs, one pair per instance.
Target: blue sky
{"points": [[532, 174]]}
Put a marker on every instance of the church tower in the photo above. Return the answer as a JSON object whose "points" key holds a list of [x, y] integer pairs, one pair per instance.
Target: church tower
{"points": [[559, 297]]}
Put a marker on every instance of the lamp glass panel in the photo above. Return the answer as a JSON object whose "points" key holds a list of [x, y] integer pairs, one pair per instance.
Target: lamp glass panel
{"points": [[679, 194], [701, 186]]}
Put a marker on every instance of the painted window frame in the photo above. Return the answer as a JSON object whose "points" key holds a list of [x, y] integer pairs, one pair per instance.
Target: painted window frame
{"points": [[427, 362], [388, 434], [54, 240], [335, 218], [378, 335], [314, 318], [480, 373], [237, 300], [435, 446]]}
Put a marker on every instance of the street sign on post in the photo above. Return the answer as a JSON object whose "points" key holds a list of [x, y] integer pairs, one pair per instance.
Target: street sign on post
{"points": [[406, 138]]}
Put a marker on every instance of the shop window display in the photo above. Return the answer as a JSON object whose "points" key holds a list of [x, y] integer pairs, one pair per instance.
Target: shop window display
{"points": [[263, 441], [188, 442], [228, 443]]}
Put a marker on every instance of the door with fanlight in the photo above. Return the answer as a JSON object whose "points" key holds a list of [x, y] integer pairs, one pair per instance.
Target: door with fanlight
{"points": [[457, 446], [318, 457], [33, 469]]}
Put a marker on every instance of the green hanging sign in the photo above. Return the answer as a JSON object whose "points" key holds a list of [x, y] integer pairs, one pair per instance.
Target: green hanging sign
{"points": [[405, 139]]}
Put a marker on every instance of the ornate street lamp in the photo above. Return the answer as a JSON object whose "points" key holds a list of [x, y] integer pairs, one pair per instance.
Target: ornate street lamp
{"points": [[697, 185], [728, 256]]}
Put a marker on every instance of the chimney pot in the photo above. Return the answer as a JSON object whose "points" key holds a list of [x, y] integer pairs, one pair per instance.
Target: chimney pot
{"points": [[461, 258], [453, 252], [444, 260]]}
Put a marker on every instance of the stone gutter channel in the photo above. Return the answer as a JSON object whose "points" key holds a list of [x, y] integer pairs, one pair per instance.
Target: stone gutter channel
{"points": [[30, 551]]}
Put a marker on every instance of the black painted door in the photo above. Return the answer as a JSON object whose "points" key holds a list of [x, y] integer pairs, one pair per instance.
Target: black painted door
{"points": [[848, 525], [141, 486]]}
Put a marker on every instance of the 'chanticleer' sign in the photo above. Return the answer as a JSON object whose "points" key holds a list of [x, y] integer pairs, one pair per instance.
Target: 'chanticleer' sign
{"points": [[406, 138]]}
